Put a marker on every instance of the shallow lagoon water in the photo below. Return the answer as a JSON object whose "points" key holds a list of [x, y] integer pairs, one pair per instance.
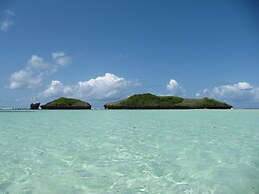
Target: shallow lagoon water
{"points": [[135, 151]]}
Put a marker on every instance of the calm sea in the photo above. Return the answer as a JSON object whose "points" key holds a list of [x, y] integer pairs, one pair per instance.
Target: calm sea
{"points": [[136, 151]]}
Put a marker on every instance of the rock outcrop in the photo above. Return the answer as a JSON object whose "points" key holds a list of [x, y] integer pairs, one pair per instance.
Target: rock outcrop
{"points": [[35, 106], [150, 101], [66, 103]]}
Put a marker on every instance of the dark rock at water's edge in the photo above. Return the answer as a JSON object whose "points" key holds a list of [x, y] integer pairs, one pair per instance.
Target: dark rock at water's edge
{"points": [[35, 106], [150, 101], [66, 103]]}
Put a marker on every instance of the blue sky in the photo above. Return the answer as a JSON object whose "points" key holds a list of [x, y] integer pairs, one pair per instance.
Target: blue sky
{"points": [[101, 51]]}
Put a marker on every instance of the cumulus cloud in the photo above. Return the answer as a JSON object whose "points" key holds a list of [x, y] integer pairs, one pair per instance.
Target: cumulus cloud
{"points": [[24, 79], [174, 88], [35, 70], [36, 62], [108, 86], [55, 88], [61, 58], [6, 20], [239, 94]]}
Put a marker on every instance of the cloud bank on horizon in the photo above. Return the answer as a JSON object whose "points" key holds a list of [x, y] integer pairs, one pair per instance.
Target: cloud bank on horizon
{"points": [[110, 86], [238, 93]]}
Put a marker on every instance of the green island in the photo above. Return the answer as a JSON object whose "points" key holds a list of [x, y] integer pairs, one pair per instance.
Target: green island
{"points": [[151, 101], [66, 103]]}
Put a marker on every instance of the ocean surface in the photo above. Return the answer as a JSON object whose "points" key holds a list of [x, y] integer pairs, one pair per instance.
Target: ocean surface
{"points": [[134, 151]]}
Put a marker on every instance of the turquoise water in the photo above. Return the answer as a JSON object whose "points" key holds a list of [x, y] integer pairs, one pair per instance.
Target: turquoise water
{"points": [[142, 151]]}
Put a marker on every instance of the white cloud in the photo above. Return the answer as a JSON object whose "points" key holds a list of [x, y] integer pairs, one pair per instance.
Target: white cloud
{"points": [[60, 58], [56, 55], [174, 88], [55, 88], [6, 20], [108, 86], [36, 62], [32, 74], [239, 94], [24, 79]]}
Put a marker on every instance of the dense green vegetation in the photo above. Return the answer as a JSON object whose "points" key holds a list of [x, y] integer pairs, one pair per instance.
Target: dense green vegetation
{"points": [[204, 103], [150, 101], [66, 103]]}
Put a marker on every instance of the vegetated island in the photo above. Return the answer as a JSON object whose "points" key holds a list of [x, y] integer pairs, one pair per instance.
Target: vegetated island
{"points": [[66, 103], [150, 101]]}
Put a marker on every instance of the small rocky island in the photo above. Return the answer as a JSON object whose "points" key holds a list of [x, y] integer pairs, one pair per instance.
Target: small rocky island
{"points": [[34, 106], [150, 101], [66, 103]]}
